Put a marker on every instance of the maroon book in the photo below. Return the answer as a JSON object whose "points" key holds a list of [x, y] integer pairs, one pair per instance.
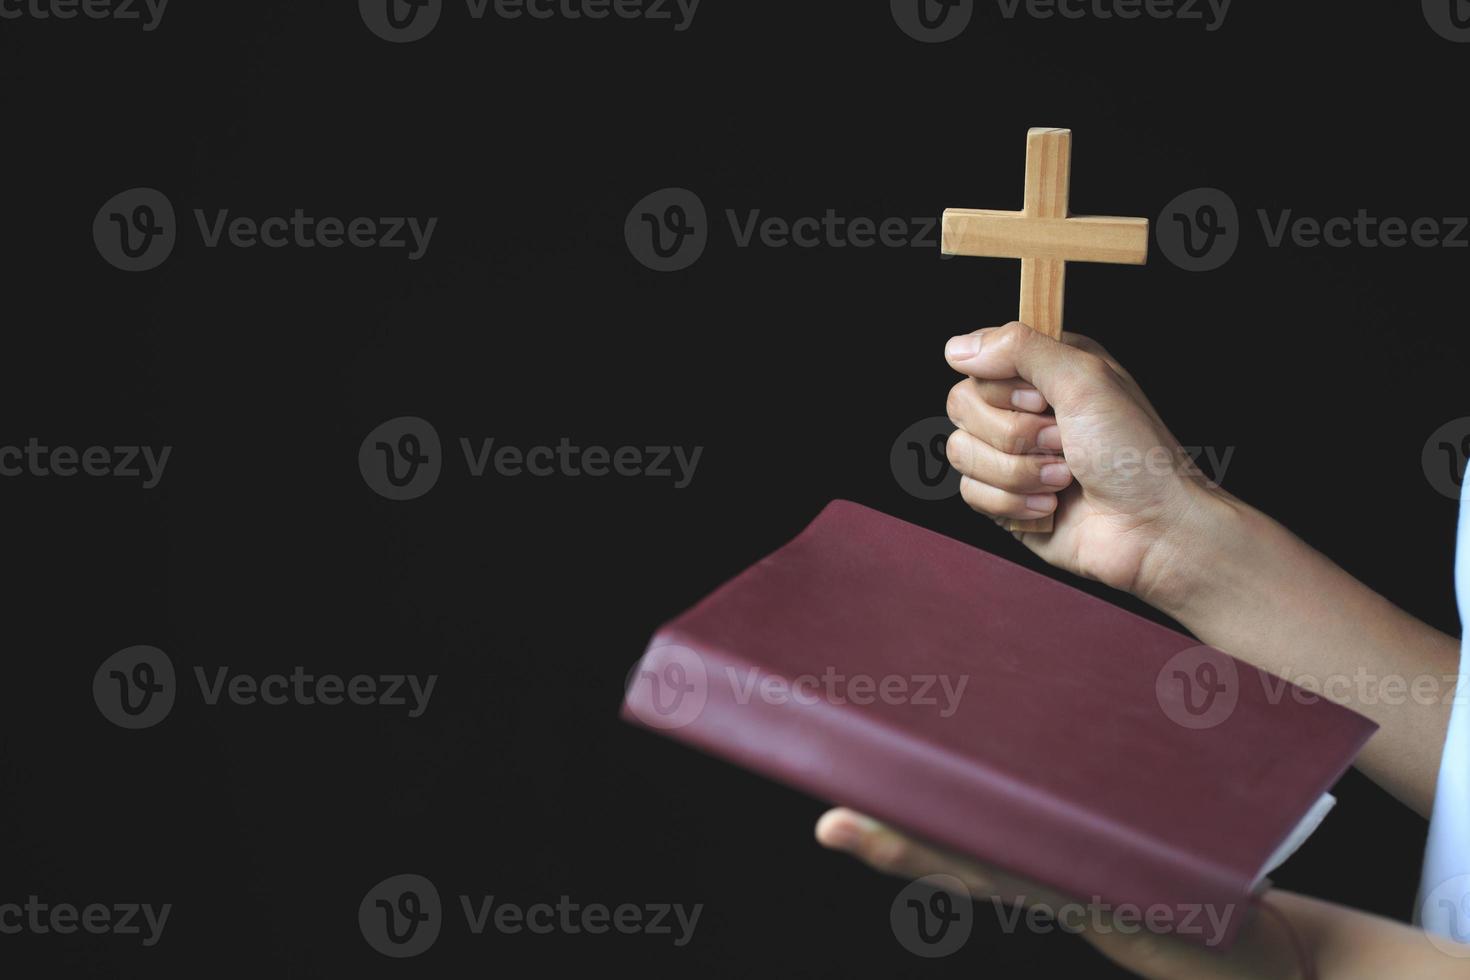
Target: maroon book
{"points": [[1000, 714]]}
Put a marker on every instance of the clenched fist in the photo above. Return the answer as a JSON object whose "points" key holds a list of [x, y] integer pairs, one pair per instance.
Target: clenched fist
{"points": [[1058, 427]]}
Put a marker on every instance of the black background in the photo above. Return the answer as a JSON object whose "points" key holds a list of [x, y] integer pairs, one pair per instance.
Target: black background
{"points": [[529, 321]]}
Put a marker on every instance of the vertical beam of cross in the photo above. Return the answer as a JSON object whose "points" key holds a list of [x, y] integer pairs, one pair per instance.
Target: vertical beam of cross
{"points": [[1045, 237], [1048, 186]]}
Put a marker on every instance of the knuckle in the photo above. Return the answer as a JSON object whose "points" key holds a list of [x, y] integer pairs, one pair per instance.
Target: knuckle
{"points": [[978, 883], [1015, 472], [1146, 954], [889, 852], [1015, 432], [955, 401], [970, 493], [1082, 342], [956, 449], [1091, 373], [1094, 368]]}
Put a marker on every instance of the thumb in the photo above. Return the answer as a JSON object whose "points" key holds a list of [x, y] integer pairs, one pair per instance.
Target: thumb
{"points": [[1065, 375]]}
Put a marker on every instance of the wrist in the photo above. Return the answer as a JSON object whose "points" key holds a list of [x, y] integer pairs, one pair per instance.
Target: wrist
{"points": [[1203, 558]]}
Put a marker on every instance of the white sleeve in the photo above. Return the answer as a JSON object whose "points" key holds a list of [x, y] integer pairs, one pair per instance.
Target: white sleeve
{"points": [[1444, 889]]}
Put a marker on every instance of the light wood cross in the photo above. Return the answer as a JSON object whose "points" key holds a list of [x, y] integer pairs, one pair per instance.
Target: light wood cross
{"points": [[1045, 237]]}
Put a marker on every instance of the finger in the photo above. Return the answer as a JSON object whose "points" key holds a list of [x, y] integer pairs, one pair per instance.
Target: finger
{"points": [[1004, 505], [1066, 376], [893, 853], [1007, 430], [1011, 394], [1021, 473]]}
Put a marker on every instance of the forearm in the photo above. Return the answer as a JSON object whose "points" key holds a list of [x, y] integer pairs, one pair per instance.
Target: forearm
{"points": [[1346, 944], [1341, 944], [1241, 582]]}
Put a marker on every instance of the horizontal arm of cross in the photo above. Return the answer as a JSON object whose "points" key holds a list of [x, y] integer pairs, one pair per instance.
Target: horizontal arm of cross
{"points": [[1017, 235]]}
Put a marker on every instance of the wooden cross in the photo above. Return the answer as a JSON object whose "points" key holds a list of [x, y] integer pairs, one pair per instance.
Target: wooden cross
{"points": [[1045, 237]]}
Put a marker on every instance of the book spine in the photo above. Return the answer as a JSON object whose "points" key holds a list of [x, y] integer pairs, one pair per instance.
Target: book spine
{"points": [[714, 701]]}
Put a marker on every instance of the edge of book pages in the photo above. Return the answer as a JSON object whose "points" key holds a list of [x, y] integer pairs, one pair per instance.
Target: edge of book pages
{"points": [[1305, 828]]}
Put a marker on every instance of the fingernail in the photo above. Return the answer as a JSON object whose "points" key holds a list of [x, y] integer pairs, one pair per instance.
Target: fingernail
{"points": [[1041, 503], [1056, 474], [1028, 400], [962, 348], [842, 834], [1049, 438]]}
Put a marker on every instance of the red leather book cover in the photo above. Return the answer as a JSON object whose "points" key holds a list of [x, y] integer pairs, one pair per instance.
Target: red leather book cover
{"points": [[999, 713]]}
